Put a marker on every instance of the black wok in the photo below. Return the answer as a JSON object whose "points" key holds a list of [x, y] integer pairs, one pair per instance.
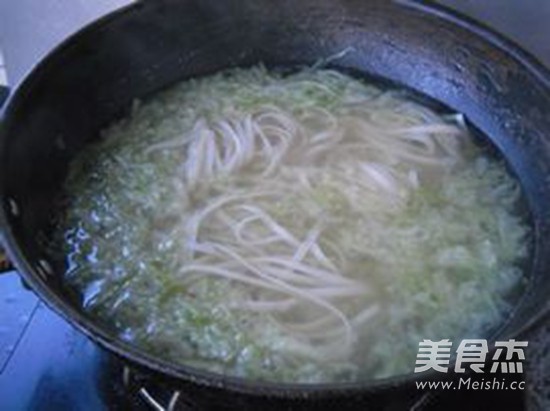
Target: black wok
{"points": [[93, 77]]}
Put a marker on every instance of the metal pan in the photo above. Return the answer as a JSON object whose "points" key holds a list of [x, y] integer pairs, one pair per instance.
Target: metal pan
{"points": [[93, 77]]}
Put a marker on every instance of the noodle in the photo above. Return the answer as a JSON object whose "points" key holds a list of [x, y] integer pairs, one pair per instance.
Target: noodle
{"points": [[306, 228]]}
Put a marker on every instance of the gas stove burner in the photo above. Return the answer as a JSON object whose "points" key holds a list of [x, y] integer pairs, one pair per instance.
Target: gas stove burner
{"points": [[155, 396], [140, 391]]}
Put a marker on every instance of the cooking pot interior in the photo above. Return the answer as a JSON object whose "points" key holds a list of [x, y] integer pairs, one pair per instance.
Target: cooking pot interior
{"points": [[94, 77]]}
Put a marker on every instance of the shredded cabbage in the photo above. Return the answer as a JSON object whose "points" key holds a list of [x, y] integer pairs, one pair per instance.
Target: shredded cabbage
{"points": [[302, 228]]}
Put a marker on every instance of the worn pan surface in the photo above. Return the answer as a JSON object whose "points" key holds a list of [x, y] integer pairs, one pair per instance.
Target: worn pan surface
{"points": [[93, 77]]}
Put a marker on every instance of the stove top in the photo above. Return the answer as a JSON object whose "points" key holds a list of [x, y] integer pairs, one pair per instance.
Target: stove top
{"points": [[44, 363], [47, 365]]}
